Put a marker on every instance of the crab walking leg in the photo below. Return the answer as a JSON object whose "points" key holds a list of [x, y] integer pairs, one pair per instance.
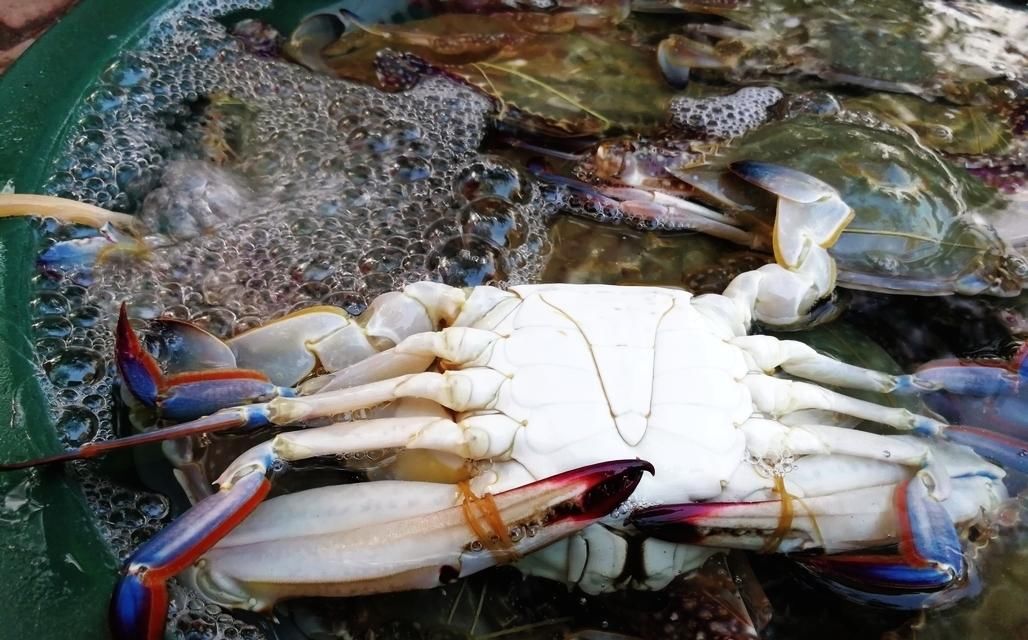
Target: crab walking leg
{"points": [[475, 437], [368, 547], [777, 397], [801, 360], [772, 441], [139, 603]]}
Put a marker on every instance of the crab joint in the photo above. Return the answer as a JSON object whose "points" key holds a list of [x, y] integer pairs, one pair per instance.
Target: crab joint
{"points": [[489, 513]]}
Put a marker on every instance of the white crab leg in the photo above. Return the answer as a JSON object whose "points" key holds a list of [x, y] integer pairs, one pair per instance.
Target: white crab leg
{"points": [[289, 349], [475, 437], [772, 441], [455, 390], [777, 397], [801, 360], [454, 346]]}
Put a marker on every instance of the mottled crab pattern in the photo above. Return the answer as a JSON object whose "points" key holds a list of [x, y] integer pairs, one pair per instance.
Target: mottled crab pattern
{"points": [[530, 408], [552, 75], [924, 49]]}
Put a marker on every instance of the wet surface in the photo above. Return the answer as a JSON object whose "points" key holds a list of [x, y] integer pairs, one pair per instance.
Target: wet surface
{"points": [[268, 188]]}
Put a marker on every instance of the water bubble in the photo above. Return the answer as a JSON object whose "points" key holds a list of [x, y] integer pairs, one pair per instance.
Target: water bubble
{"points": [[77, 426]]}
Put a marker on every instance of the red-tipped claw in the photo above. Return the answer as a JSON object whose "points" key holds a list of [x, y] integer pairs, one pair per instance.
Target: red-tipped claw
{"points": [[187, 395], [450, 543]]}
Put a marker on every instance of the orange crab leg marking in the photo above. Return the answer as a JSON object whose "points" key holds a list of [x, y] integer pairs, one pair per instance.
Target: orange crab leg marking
{"points": [[785, 517], [487, 512]]}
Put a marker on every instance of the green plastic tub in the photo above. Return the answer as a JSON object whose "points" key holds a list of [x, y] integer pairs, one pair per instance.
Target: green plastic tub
{"points": [[56, 573]]}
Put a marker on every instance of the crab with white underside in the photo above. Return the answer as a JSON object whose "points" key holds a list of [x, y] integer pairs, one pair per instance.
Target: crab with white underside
{"points": [[533, 410]]}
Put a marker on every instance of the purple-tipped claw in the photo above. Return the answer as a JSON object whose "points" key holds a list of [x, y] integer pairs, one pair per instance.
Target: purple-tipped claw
{"points": [[139, 604], [608, 484], [139, 371]]}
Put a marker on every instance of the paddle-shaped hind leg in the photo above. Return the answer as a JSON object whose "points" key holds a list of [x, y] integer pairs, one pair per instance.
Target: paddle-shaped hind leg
{"points": [[140, 601]]}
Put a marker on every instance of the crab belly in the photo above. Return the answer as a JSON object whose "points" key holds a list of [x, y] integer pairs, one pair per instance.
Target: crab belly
{"points": [[600, 374]]}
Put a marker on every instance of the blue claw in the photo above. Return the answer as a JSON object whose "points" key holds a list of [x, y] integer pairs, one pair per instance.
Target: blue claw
{"points": [[190, 395], [139, 605], [882, 581], [930, 566]]}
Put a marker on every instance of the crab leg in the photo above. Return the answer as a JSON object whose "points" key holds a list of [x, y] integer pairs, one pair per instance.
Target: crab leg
{"points": [[140, 600], [374, 552], [475, 437], [929, 558], [799, 359], [778, 397], [457, 390], [659, 209]]}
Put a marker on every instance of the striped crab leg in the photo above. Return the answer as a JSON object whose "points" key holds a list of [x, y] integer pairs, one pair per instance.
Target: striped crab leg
{"points": [[354, 539]]}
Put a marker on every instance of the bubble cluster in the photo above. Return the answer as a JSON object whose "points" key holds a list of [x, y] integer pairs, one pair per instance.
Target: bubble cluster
{"points": [[724, 117], [265, 189]]}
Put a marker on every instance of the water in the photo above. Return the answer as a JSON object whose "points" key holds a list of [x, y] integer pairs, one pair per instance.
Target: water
{"points": [[274, 189]]}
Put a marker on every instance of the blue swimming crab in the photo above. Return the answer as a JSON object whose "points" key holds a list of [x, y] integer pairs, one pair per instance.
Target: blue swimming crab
{"points": [[961, 51], [921, 224], [524, 423]]}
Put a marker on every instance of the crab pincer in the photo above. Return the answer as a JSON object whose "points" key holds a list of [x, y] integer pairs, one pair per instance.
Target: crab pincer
{"points": [[927, 557], [364, 541], [187, 395]]}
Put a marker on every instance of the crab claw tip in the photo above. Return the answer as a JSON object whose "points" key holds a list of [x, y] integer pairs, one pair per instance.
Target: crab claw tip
{"points": [[609, 484], [673, 522]]}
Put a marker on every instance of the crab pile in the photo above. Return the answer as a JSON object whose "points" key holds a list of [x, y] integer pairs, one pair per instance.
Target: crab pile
{"points": [[491, 392]]}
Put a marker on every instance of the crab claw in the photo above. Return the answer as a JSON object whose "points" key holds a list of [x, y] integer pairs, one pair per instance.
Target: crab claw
{"points": [[809, 211], [929, 557], [350, 540], [188, 395]]}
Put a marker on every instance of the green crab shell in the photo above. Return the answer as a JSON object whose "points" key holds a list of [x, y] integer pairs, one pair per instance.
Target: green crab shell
{"points": [[913, 230], [568, 83]]}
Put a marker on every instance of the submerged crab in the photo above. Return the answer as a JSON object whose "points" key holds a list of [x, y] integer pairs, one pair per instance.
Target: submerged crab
{"points": [[546, 75], [531, 410], [950, 50], [919, 226]]}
